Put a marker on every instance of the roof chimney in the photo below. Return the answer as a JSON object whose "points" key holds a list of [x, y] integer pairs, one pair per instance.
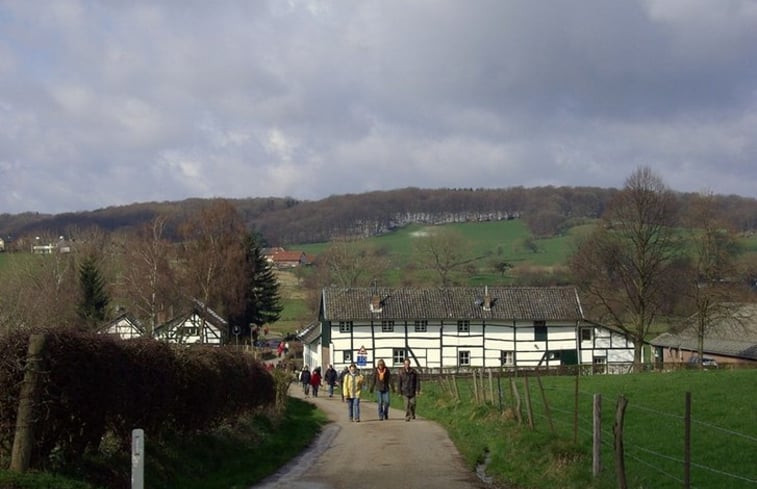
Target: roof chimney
{"points": [[487, 299]]}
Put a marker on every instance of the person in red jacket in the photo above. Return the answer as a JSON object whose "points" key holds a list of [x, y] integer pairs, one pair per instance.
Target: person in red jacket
{"points": [[315, 380]]}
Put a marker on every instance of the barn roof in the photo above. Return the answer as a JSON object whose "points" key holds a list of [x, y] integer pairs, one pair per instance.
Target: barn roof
{"points": [[473, 303]]}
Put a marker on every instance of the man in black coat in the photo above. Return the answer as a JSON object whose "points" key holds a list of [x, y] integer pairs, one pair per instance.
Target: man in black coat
{"points": [[409, 385]]}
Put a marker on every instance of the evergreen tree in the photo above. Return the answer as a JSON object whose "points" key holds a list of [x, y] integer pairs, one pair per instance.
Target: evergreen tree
{"points": [[261, 299], [94, 299]]}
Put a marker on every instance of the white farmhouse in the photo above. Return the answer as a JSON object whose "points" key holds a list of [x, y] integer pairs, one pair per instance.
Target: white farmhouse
{"points": [[460, 327], [200, 325], [124, 326]]}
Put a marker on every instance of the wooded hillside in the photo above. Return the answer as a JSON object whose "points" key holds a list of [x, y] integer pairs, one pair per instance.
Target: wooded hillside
{"points": [[282, 221]]}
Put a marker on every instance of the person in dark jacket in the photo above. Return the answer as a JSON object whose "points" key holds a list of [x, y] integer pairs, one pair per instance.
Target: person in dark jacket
{"points": [[330, 378], [409, 385], [381, 382], [305, 380], [341, 379]]}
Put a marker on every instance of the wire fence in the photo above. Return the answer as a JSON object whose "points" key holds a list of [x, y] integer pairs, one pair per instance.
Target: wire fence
{"points": [[723, 435]]}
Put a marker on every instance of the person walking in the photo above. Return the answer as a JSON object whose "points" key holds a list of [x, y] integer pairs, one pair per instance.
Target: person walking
{"points": [[409, 385], [330, 378], [305, 380], [381, 382], [351, 386], [342, 374], [315, 380]]}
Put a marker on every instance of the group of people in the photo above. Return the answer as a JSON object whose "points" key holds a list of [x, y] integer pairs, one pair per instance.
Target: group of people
{"points": [[312, 381], [380, 381]]}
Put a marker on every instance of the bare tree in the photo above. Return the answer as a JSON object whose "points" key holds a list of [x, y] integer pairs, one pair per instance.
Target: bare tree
{"points": [[626, 267], [714, 250], [148, 280], [212, 252], [446, 252]]}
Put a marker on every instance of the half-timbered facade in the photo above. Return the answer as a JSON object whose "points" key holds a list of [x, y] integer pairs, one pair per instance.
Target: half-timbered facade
{"points": [[124, 326], [460, 327], [199, 325]]}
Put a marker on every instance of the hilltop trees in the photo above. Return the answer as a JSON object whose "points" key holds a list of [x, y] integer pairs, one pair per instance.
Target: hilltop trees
{"points": [[627, 267]]}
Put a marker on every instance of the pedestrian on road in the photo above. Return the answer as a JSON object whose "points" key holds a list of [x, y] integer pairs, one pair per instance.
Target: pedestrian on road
{"points": [[305, 380], [409, 386], [342, 374], [330, 378], [381, 382], [353, 383], [315, 380]]}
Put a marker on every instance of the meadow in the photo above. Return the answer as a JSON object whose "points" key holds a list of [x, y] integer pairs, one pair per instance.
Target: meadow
{"points": [[724, 429]]}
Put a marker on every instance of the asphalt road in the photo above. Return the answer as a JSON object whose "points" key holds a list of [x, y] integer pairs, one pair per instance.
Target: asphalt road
{"points": [[374, 454]]}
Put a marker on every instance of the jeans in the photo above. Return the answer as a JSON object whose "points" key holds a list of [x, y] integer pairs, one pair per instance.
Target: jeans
{"points": [[382, 398], [315, 390], [331, 390], [306, 388], [353, 408]]}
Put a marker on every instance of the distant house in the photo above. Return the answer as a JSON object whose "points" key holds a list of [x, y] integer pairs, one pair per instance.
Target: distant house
{"points": [[198, 325], [125, 326], [60, 246], [288, 259], [731, 339], [461, 327], [2, 245]]}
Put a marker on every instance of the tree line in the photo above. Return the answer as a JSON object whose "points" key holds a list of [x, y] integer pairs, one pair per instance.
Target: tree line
{"points": [[217, 261], [282, 221]]}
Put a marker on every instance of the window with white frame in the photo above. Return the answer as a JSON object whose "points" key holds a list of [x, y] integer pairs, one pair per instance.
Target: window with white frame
{"points": [[387, 326], [398, 356], [421, 325], [507, 357], [345, 326], [463, 326], [463, 358]]}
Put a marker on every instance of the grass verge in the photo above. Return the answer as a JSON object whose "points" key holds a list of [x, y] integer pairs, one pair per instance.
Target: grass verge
{"points": [[231, 457]]}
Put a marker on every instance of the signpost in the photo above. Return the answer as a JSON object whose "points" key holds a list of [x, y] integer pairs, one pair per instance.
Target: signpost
{"points": [[137, 459]]}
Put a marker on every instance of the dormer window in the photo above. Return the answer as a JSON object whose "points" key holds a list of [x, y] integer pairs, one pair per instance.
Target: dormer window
{"points": [[376, 305]]}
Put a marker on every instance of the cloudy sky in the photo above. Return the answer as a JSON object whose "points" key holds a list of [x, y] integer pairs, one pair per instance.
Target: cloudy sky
{"points": [[112, 102]]}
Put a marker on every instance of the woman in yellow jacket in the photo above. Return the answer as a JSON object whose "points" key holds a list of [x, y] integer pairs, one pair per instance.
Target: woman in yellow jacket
{"points": [[351, 385]]}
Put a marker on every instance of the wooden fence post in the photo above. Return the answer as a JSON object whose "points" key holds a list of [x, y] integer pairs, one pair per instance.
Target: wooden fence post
{"points": [[475, 388], [575, 406], [529, 410], [620, 466], [491, 387], [23, 441], [516, 397], [687, 442], [596, 460], [546, 403]]}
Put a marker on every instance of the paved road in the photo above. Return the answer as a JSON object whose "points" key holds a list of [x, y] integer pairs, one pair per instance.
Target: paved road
{"points": [[375, 454]]}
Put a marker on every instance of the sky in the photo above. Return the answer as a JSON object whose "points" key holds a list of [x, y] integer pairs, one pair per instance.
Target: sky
{"points": [[106, 103]]}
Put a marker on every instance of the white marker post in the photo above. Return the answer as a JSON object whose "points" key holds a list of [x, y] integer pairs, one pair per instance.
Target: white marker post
{"points": [[137, 459]]}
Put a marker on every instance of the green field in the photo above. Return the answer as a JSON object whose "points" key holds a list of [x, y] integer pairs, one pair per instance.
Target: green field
{"points": [[723, 433]]}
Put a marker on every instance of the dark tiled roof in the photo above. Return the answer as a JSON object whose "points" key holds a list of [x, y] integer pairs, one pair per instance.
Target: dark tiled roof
{"points": [[509, 303], [734, 336]]}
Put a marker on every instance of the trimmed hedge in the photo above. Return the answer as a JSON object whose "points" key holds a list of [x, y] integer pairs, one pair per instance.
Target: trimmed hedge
{"points": [[93, 385]]}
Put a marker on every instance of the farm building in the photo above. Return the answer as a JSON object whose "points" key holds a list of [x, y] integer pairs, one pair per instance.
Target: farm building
{"points": [[460, 327], [730, 338], [198, 325], [124, 326]]}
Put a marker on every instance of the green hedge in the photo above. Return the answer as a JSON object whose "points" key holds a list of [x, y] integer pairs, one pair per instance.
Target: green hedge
{"points": [[93, 385]]}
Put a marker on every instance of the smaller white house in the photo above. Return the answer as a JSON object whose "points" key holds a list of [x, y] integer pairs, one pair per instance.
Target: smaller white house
{"points": [[200, 325], [461, 327], [125, 326]]}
